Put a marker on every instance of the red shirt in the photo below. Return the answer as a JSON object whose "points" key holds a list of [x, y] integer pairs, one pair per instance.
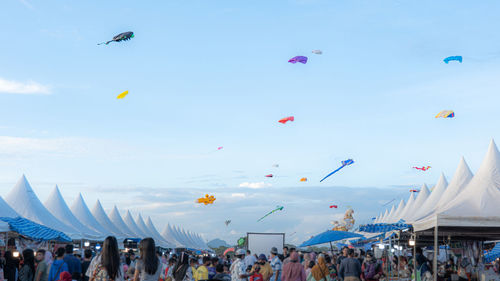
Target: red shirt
{"points": [[256, 277]]}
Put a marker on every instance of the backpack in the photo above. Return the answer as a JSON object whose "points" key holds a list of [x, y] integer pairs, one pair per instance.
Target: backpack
{"points": [[370, 270]]}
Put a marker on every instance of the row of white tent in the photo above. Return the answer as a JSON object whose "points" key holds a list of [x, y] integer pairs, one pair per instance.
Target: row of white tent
{"points": [[80, 223], [467, 201]]}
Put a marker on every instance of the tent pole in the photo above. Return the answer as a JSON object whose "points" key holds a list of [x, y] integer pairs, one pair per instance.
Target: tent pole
{"points": [[415, 256], [331, 247], [399, 254], [436, 250]]}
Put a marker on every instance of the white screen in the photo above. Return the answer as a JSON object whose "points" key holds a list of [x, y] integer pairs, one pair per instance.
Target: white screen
{"points": [[261, 243]]}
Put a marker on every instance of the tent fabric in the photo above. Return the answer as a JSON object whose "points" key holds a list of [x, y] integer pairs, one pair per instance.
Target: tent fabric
{"points": [[6, 211], [56, 205], [477, 204], [142, 226], [408, 209], [429, 205], [181, 238], [103, 219], [391, 213], [462, 177], [168, 234], [330, 236], [129, 221], [81, 211], [160, 241], [24, 201], [117, 220], [492, 255], [399, 210], [383, 227], [34, 230], [422, 196]]}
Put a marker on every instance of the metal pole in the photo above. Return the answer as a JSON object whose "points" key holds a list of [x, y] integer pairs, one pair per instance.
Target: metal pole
{"points": [[415, 257], [436, 250], [399, 254], [331, 247]]}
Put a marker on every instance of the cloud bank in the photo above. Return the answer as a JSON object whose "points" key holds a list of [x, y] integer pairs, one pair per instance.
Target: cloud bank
{"points": [[26, 88]]}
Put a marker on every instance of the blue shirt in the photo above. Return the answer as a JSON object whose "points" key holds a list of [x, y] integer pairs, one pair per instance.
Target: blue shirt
{"points": [[275, 265], [74, 264], [56, 268]]}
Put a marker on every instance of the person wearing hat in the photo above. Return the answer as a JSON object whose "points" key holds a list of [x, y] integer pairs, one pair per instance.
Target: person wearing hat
{"points": [[265, 269], [276, 265], [238, 268]]}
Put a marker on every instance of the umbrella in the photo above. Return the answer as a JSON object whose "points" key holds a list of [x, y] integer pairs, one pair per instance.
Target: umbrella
{"points": [[228, 250], [330, 236]]}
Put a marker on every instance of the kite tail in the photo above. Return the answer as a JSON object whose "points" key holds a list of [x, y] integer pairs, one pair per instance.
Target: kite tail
{"points": [[105, 42]]}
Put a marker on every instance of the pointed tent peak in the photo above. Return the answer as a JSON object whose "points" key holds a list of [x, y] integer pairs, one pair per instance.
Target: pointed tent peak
{"points": [[463, 169], [424, 190], [441, 184], [490, 162]]}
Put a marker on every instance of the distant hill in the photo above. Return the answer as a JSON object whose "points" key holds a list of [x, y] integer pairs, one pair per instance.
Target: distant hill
{"points": [[216, 243]]}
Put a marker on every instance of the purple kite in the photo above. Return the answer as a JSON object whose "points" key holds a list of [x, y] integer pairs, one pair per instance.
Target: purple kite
{"points": [[297, 59]]}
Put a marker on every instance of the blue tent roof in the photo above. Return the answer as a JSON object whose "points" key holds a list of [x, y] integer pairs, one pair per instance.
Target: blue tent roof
{"points": [[493, 254], [330, 236], [34, 230], [383, 227]]}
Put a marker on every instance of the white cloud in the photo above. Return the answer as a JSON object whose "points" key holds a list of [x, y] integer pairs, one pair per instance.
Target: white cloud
{"points": [[238, 195], [255, 184], [15, 87]]}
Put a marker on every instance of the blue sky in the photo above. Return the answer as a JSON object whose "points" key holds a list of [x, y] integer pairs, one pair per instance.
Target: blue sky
{"points": [[203, 74]]}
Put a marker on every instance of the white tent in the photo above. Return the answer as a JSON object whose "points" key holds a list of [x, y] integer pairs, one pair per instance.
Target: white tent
{"points": [[398, 212], [188, 239], [117, 220], [477, 205], [204, 243], [462, 177], [391, 213], [129, 221], [103, 219], [180, 237], [56, 205], [83, 214], [408, 208], [157, 236], [422, 196], [386, 215], [24, 201], [142, 226], [195, 241], [168, 234], [200, 242], [6, 211], [427, 208]]}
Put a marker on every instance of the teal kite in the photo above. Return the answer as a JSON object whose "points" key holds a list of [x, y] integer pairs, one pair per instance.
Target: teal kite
{"points": [[278, 208]]}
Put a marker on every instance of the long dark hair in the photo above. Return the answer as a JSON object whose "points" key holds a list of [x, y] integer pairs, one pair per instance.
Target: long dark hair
{"points": [[181, 267], [147, 250], [29, 259], [110, 257]]}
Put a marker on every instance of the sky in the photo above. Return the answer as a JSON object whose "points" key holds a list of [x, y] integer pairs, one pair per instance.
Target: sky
{"points": [[203, 74]]}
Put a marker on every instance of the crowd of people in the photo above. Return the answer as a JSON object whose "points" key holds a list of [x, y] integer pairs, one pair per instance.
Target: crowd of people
{"points": [[111, 264]]}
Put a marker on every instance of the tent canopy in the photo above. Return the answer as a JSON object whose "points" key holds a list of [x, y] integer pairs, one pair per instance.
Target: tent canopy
{"points": [[24, 201], [475, 209], [330, 236]]}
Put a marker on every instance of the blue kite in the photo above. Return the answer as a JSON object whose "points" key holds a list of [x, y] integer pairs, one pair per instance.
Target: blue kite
{"points": [[457, 58], [344, 163]]}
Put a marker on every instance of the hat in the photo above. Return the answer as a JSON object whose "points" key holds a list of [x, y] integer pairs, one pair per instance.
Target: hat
{"points": [[274, 250], [240, 252], [262, 257]]}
